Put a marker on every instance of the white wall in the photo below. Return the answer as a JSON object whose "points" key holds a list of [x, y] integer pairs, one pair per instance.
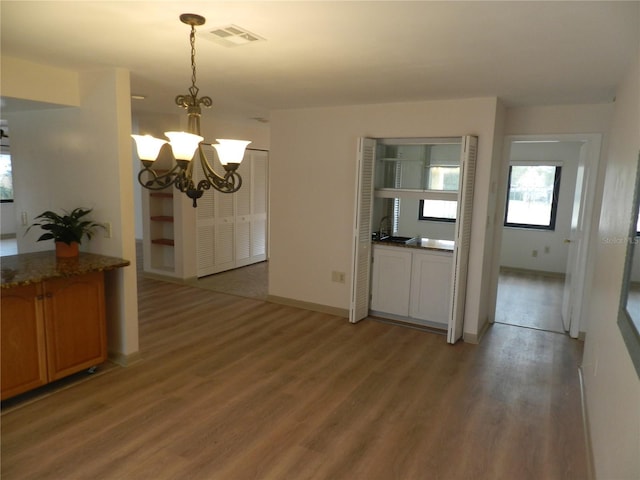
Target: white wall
{"points": [[611, 383], [519, 243], [313, 163], [8, 225], [81, 157]]}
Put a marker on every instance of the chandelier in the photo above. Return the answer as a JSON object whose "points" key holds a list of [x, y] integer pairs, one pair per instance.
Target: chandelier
{"points": [[184, 145]]}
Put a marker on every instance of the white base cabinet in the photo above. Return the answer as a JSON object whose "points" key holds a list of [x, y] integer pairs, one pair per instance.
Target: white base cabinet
{"points": [[391, 280], [430, 298], [412, 285]]}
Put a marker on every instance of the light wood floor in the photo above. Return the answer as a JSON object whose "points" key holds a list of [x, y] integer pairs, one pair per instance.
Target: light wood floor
{"points": [[530, 299], [235, 388]]}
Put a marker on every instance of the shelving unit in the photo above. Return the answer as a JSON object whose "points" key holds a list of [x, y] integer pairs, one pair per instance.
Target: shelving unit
{"points": [[159, 255]]}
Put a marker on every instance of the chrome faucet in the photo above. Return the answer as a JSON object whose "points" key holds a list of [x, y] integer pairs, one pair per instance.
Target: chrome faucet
{"points": [[383, 220]]}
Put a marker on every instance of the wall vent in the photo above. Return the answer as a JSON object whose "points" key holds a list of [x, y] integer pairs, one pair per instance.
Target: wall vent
{"points": [[233, 36]]}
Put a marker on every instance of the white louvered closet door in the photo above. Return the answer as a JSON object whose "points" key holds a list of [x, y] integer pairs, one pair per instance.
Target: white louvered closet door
{"points": [[462, 238], [232, 228], [206, 234], [360, 274], [205, 224], [243, 213], [259, 206]]}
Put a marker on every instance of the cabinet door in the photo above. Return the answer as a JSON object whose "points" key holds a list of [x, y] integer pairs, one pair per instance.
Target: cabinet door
{"points": [[23, 354], [75, 323], [391, 281], [431, 287]]}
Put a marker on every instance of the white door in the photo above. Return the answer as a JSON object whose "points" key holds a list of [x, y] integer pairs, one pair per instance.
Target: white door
{"points": [[361, 253], [462, 238], [578, 241], [574, 242]]}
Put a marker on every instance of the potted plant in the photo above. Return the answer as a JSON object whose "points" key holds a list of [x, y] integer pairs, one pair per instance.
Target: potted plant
{"points": [[66, 230]]}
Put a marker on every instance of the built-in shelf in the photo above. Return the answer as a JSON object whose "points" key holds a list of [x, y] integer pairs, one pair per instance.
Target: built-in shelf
{"points": [[163, 241], [162, 218]]}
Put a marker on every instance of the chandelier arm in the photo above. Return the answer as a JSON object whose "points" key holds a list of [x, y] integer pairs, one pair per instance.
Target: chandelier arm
{"points": [[229, 183], [160, 182]]}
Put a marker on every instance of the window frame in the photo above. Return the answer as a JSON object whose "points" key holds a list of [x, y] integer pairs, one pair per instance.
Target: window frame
{"points": [[434, 219], [554, 199]]}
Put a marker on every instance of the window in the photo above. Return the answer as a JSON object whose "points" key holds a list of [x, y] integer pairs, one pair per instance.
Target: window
{"points": [[532, 200], [443, 178], [438, 210], [6, 180]]}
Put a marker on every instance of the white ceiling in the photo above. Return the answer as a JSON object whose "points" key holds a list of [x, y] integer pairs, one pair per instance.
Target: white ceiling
{"points": [[320, 53]]}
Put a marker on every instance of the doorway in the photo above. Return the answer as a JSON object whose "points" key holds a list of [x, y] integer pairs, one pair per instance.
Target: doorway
{"points": [[541, 271]]}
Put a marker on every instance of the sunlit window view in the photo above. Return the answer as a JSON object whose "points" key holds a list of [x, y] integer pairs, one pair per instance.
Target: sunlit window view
{"points": [[443, 178], [532, 199], [440, 210], [6, 182]]}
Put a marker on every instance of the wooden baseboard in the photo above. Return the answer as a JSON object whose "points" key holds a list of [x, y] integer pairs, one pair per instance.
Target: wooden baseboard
{"points": [[314, 307], [475, 338], [125, 360], [587, 431], [170, 279]]}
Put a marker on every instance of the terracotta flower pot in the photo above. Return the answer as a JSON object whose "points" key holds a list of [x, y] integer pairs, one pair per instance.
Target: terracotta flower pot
{"points": [[64, 250]]}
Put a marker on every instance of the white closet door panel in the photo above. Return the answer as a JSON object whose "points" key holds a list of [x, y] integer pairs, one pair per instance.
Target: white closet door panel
{"points": [[205, 246], [243, 241], [259, 238], [462, 238], [224, 207], [224, 244], [243, 196], [361, 253], [259, 183]]}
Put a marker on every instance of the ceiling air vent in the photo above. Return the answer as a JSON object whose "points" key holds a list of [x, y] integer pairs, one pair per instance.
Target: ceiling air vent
{"points": [[233, 36]]}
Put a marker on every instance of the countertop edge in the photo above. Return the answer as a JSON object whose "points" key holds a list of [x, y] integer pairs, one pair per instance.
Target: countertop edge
{"points": [[413, 245], [29, 268]]}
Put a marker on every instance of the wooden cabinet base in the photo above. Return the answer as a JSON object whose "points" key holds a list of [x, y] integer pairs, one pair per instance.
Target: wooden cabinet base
{"points": [[24, 361], [51, 330]]}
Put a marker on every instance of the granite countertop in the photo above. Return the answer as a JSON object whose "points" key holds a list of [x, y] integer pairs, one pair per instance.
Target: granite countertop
{"points": [[423, 243], [27, 268]]}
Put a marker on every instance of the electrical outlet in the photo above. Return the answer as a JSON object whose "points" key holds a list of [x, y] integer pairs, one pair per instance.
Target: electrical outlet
{"points": [[338, 277], [534, 253], [547, 249], [23, 218], [107, 229]]}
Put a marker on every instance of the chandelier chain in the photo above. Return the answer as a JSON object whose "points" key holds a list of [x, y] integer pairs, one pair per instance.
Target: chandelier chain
{"points": [[181, 175], [192, 40]]}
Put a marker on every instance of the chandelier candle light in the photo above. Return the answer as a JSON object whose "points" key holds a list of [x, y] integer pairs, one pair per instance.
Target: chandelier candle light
{"points": [[185, 144]]}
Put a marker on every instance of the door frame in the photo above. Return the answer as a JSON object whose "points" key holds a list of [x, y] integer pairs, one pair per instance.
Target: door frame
{"points": [[592, 146]]}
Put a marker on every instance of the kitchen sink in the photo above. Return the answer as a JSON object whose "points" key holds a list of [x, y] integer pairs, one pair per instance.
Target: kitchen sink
{"points": [[396, 239]]}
